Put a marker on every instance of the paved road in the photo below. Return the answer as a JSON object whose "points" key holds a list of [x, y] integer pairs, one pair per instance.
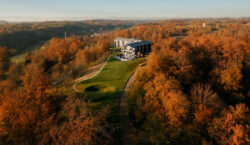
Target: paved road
{"points": [[125, 127], [81, 79]]}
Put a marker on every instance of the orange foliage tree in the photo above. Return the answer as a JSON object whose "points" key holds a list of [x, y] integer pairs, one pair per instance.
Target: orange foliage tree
{"points": [[233, 127], [4, 60]]}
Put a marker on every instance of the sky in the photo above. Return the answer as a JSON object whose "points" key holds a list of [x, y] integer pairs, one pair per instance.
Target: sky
{"points": [[39, 10]]}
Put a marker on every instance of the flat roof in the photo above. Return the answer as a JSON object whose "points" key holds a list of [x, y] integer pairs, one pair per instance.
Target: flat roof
{"points": [[126, 39], [135, 44]]}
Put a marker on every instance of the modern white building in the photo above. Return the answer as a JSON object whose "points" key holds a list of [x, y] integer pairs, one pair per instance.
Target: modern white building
{"points": [[133, 48], [121, 42], [204, 25]]}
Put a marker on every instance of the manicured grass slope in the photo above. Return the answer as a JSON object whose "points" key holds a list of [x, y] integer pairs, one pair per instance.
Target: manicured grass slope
{"points": [[105, 88]]}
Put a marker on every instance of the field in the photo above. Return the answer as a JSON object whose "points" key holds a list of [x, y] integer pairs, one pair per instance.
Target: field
{"points": [[105, 88]]}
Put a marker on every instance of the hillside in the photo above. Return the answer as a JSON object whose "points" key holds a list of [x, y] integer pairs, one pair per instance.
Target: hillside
{"points": [[2, 22], [193, 88], [20, 36]]}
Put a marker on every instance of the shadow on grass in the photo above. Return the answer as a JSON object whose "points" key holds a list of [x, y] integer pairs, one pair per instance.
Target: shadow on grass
{"points": [[97, 100], [107, 97], [93, 88], [113, 59]]}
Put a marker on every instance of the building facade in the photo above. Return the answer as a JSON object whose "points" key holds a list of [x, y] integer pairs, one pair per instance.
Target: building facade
{"points": [[133, 48]]}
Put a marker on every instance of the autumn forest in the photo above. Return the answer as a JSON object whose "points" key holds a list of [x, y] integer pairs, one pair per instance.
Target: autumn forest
{"points": [[192, 89]]}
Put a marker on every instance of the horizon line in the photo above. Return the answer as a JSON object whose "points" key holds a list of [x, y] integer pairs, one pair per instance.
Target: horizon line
{"points": [[45, 19]]}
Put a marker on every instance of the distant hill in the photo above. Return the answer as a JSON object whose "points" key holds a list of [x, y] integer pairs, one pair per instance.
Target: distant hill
{"points": [[20, 36], [2, 22]]}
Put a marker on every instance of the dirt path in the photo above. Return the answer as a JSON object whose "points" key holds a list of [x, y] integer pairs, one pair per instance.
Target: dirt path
{"points": [[125, 128], [89, 76]]}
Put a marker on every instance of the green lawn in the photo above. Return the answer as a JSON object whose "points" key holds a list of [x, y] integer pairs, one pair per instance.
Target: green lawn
{"points": [[105, 89]]}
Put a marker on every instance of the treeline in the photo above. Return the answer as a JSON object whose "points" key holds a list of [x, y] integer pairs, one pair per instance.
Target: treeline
{"points": [[59, 57], [18, 37], [33, 110], [193, 89]]}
